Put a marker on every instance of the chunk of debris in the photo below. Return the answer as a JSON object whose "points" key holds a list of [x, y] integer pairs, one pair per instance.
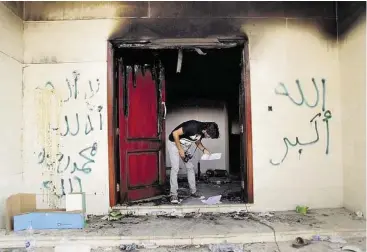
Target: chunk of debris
{"points": [[359, 214], [193, 215], [199, 51], [320, 238], [113, 215], [300, 242], [266, 214], [179, 61], [128, 247], [302, 209], [150, 245]]}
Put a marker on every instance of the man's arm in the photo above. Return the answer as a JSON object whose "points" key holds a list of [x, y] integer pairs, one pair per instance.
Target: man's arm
{"points": [[176, 136], [200, 145]]}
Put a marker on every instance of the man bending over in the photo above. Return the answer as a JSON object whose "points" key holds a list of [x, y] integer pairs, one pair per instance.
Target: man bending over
{"points": [[180, 141]]}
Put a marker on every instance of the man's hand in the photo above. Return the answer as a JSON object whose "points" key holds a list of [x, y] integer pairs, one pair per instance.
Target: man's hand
{"points": [[206, 152], [182, 153]]}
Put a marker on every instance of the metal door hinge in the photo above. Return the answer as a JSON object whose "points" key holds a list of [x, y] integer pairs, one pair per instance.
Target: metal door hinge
{"points": [[241, 128], [117, 131], [117, 187]]}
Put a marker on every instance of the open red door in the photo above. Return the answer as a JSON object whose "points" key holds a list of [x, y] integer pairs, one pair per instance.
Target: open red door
{"points": [[142, 130]]}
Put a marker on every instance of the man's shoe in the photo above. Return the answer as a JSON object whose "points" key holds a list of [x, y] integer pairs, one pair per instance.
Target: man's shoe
{"points": [[195, 195], [174, 199]]}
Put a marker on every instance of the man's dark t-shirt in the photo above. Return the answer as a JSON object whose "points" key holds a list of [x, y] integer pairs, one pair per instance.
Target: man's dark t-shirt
{"points": [[192, 132]]}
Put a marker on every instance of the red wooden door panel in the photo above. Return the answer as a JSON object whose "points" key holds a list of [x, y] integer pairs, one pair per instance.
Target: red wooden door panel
{"points": [[141, 130]]}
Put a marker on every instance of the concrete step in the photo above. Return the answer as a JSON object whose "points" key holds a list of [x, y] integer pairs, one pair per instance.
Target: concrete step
{"points": [[199, 229], [171, 241], [252, 247]]}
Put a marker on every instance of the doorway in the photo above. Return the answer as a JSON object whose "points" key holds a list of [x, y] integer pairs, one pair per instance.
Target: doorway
{"points": [[204, 85], [150, 94]]}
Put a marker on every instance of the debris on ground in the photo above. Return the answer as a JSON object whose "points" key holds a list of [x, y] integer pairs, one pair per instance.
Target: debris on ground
{"points": [[302, 209], [150, 245], [193, 215], [113, 215], [351, 248], [233, 196], [266, 214], [214, 200], [242, 215], [128, 247], [225, 248], [219, 180], [300, 242], [359, 214], [332, 239]]}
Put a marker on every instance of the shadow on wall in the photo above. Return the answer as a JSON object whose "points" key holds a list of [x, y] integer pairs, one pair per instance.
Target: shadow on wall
{"points": [[201, 110]]}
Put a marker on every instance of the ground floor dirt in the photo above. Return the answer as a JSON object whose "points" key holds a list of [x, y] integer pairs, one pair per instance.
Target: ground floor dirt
{"points": [[198, 232], [254, 247]]}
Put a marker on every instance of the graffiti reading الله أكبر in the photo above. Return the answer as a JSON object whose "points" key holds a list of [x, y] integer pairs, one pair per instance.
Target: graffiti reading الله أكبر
{"points": [[304, 101]]}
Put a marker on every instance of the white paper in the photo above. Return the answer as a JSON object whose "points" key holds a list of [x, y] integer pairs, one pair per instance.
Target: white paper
{"points": [[212, 200], [213, 156]]}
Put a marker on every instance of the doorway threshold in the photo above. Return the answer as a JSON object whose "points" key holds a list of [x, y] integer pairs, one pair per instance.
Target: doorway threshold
{"points": [[183, 209]]}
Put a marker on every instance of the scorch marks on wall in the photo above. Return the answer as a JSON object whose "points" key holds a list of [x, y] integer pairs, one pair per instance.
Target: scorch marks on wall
{"points": [[309, 103], [63, 168]]}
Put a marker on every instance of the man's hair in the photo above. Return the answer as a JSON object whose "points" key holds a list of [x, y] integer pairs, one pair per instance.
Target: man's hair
{"points": [[212, 129]]}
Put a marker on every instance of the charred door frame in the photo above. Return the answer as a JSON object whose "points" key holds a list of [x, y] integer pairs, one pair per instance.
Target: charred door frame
{"points": [[176, 44]]}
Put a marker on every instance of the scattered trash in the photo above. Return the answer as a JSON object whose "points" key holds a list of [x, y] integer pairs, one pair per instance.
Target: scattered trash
{"points": [[179, 61], [351, 248], [302, 209], [209, 173], [320, 238], [239, 217], [130, 247], [30, 243], [300, 242], [212, 200], [193, 215], [199, 51], [219, 180], [359, 214], [265, 214], [332, 239], [113, 215], [226, 248]]}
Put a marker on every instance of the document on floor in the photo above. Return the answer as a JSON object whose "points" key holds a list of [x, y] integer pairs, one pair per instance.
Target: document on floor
{"points": [[213, 156], [214, 200]]}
